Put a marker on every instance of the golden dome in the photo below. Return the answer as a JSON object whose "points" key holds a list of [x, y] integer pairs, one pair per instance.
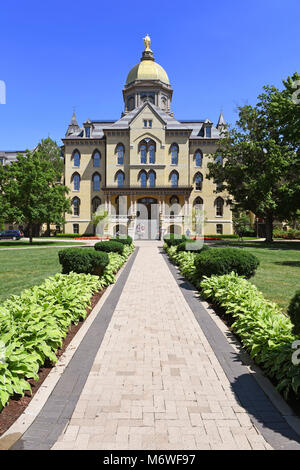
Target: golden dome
{"points": [[147, 69]]}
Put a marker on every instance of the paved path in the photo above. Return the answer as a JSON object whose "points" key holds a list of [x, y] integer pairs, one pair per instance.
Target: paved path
{"points": [[156, 383]]}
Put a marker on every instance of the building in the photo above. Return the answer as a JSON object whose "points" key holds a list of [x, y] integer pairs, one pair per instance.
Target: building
{"points": [[147, 169]]}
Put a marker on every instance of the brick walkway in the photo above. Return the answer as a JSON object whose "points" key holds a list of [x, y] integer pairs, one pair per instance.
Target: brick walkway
{"points": [[155, 382]]}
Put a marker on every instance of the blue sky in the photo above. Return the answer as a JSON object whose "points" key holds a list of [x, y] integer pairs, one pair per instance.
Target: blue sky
{"points": [[60, 54]]}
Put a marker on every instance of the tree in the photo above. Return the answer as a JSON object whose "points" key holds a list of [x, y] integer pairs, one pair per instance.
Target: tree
{"points": [[30, 193], [261, 159], [240, 223], [99, 217]]}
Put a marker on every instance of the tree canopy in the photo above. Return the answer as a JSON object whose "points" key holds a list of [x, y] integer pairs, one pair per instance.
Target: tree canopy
{"points": [[261, 157], [29, 190]]}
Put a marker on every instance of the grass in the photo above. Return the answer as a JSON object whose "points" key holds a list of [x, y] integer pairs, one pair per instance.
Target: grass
{"points": [[26, 268], [25, 243], [278, 275]]}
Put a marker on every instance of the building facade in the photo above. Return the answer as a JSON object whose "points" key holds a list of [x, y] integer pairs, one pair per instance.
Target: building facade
{"points": [[147, 170]]}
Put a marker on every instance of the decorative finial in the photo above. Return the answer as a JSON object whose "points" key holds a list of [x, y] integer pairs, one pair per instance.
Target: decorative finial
{"points": [[147, 42]]}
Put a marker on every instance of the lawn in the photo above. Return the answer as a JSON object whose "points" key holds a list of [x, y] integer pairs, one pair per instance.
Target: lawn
{"points": [[278, 275], [20, 269], [25, 243]]}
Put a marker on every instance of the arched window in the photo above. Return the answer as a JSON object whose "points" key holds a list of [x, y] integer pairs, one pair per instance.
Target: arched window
{"points": [[151, 148], [120, 152], [76, 181], [219, 203], [198, 181], [174, 154], [151, 178], [175, 207], [76, 158], [198, 158], [143, 152], [96, 182], [198, 201], [96, 202], [174, 179], [75, 205], [143, 179], [120, 177], [96, 159]]}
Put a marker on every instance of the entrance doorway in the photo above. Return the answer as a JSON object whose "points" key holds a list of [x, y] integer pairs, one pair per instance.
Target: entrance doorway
{"points": [[147, 223]]}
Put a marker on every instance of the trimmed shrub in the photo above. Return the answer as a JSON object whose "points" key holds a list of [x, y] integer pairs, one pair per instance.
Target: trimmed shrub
{"points": [[294, 312], [184, 246], [110, 247], [170, 240], [124, 241], [83, 260], [221, 261]]}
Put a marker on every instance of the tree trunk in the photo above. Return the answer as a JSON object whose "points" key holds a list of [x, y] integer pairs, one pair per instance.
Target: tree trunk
{"points": [[48, 230], [30, 232], [269, 229]]}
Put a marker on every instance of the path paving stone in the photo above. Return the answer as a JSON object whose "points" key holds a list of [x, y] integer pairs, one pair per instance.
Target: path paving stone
{"points": [[156, 382]]}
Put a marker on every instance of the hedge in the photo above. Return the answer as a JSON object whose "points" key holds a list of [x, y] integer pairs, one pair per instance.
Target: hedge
{"points": [[192, 246], [221, 261], [172, 240], [110, 247], [82, 260], [294, 312], [124, 241]]}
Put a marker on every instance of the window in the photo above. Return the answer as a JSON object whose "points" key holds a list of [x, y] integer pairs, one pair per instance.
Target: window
{"points": [[120, 179], [88, 132], [75, 204], [143, 151], [143, 179], [219, 159], [174, 154], [96, 202], [120, 152], [147, 122], [152, 177], [219, 203], [2, 161], [174, 179], [198, 201], [76, 182], [174, 202], [76, 158], [151, 153], [198, 158], [150, 123], [75, 228], [198, 181], [208, 131], [96, 182], [96, 159], [219, 229]]}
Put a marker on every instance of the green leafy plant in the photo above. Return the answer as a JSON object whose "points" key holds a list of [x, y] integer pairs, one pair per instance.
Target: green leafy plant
{"points": [[83, 260], [110, 246], [294, 312], [264, 331], [224, 261]]}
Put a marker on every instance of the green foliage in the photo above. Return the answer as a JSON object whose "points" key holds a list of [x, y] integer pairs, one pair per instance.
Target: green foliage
{"points": [[263, 329], [294, 312], [125, 241], [33, 325], [29, 193], [83, 260], [261, 156], [290, 234], [191, 245], [185, 260], [110, 246], [172, 240], [225, 260]]}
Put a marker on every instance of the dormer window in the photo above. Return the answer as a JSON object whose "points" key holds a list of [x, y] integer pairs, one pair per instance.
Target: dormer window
{"points": [[88, 132], [208, 132], [147, 122]]}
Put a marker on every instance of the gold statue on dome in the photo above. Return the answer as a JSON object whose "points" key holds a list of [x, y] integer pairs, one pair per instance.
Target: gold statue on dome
{"points": [[147, 42]]}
